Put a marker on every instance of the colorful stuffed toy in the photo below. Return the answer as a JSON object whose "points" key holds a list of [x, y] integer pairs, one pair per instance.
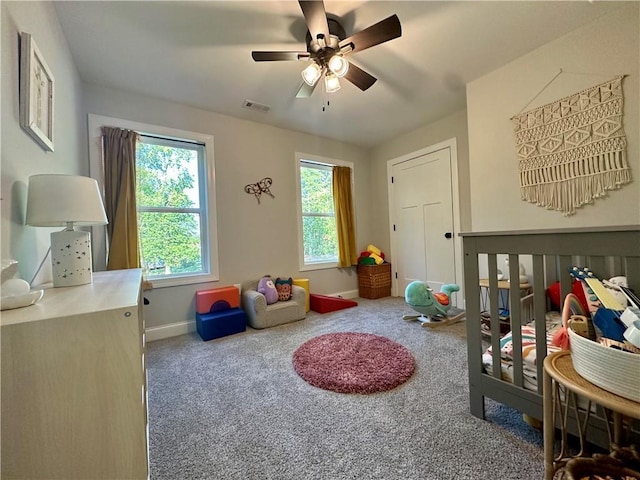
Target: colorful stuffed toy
{"points": [[422, 299], [283, 285], [268, 289]]}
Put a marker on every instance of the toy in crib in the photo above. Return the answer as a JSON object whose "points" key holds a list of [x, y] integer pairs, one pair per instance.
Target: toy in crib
{"points": [[596, 293], [432, 307]]}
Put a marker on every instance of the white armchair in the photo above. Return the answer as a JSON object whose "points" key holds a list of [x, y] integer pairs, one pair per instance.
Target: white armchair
{"points": [[261, 315]]}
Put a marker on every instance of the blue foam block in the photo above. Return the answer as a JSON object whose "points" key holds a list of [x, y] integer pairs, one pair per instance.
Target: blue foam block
{"points": [[220, 324]]}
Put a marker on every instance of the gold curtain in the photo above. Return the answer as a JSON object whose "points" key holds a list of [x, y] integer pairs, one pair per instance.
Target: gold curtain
{"points": [[345, 220], [119, 158]]}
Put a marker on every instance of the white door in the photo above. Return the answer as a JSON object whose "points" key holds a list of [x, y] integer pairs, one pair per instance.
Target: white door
{"points": [[423, 220]]}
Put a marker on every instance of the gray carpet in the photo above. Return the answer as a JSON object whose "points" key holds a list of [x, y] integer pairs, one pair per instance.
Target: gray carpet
{"points": [[234, 408]]}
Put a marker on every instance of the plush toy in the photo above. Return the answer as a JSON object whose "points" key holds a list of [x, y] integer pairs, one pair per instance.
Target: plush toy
{"points": [[283, 286], [268, 289], [553, 293], [422, 299]]}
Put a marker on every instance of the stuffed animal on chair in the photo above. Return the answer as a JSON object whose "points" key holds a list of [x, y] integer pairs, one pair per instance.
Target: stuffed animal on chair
{"points": [[268, 289], [283, 286]]}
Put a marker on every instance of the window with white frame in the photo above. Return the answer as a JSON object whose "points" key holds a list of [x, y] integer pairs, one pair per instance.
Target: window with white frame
{"points": [[176, 197], [171, 197], [318, 239]]}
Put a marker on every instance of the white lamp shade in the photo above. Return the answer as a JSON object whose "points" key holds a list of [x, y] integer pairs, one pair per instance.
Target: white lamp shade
{"points": [[57, 200], [311, 74], [339, 65], [331, 83]]}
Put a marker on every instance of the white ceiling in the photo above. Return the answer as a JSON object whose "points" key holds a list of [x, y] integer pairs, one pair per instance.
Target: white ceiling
{"points": [[199, 54]]}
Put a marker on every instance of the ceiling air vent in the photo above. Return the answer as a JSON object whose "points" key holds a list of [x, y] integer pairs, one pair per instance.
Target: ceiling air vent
{"points": [[256, 106]]}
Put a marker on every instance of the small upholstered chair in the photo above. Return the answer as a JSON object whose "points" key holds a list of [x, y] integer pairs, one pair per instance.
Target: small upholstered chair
{"points": [[261, 315]]}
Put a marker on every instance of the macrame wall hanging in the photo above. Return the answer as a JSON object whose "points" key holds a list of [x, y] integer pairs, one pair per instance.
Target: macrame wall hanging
{"points": [[574, 149]]}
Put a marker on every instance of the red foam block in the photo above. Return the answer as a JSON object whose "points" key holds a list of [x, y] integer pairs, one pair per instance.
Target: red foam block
{"points": [[325, 304]]}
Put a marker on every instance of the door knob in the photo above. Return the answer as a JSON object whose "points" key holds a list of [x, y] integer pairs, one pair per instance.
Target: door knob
{"points": [[448, 235]]}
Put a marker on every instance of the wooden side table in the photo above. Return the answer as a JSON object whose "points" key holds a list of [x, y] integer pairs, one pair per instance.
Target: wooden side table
{"points": [[559, 372]]}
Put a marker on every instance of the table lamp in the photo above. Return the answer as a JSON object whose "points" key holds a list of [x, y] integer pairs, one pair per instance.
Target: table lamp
{"points": [[66, 201]]}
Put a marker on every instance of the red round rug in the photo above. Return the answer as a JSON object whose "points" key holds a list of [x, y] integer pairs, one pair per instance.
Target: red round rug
{"points": [[353, 362]]}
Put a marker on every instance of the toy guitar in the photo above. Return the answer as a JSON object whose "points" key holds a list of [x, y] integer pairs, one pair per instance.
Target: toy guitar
{"points": [[595, 292]]}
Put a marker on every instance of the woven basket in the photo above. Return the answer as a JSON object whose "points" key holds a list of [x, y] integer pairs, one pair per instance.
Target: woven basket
{"points": [[614, 370], [374, 281]]}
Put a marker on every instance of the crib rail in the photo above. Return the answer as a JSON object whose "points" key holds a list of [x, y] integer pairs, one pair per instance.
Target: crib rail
{"points": [[607, 251]]}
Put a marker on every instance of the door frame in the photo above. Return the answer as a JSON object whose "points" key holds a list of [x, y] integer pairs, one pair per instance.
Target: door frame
{"points": [[452, 145]]}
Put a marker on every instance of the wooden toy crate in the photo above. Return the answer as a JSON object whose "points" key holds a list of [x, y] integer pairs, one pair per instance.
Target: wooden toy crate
{"points": [[374, 281]]}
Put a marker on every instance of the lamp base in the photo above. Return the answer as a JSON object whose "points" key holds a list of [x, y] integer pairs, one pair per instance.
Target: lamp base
{"points": [[71, 258]]}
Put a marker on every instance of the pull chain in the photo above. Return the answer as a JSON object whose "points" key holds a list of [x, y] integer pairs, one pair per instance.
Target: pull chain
{"points": [[325, 102]]}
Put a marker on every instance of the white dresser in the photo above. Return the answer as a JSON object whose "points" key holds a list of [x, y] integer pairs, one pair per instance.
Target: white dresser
{"points": [[74, 383]]}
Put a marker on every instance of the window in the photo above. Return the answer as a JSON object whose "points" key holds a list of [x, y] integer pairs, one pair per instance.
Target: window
{"points": [[175, 195], [171, 200], [317, 224]]}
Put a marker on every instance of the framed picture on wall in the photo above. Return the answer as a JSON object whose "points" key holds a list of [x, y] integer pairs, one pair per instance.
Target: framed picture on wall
{"points": [[36, 93]]}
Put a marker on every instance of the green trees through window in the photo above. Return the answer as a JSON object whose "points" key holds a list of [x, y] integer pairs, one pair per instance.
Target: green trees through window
{"points": [[170, 201], [318, 216]]}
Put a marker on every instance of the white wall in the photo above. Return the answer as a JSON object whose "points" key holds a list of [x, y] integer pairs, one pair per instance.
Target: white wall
{"points": [[254, 239], [594, 53], [22, 156]]}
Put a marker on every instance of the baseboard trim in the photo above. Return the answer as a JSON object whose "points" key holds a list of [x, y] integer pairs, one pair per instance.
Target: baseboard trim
{"points": [[347, 294], [171, 330]]}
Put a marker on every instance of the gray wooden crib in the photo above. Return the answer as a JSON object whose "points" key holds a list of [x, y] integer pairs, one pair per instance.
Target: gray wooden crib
{"points": [[607, 251]]}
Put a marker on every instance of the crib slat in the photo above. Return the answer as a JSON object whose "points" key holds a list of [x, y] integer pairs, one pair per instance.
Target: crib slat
{"points": [[615, 268], [550, 270], [514, 314], [597, 266], [540, 308], [565, 262], [492, 262], [632, 271], [474, 336]]}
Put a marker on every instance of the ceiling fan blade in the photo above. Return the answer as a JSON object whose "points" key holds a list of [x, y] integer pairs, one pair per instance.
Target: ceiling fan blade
{"points": [[381, 32], [316, 18], [277, 56], [306, 90], [359, 77]]}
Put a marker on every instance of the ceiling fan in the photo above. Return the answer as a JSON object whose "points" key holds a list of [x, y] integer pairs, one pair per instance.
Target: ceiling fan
{"points": [[327, 46]]}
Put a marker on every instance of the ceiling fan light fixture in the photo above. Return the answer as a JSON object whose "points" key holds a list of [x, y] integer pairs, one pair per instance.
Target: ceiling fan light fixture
{"points": [[311, 74], [339, 65], [331, 82]]}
